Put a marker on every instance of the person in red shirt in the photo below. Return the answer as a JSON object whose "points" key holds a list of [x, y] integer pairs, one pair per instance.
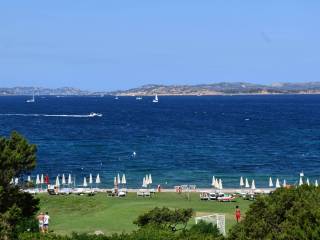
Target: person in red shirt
{"points": [[238, 213]]}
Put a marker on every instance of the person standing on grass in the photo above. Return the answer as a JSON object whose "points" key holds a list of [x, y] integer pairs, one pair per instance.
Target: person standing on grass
{"points": [[46, 218], [238, 214], [40, 218]]}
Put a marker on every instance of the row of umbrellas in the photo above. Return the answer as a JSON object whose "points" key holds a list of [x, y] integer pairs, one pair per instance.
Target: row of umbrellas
{"points": [[117, 180], [147, 180]]}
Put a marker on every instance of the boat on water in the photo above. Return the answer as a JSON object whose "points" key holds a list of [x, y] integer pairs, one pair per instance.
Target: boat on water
{"points": [[138, 98], [32, 100], [155, 100], [116, 98], [93, 114]]}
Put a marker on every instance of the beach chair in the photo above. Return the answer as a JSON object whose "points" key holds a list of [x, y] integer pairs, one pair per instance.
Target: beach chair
{"points": [[140, 193], [121, 194], [204, 196], [147, 194]]}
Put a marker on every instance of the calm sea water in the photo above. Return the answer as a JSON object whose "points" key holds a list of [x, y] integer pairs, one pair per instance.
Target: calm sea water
{"points": [[180, 140]]}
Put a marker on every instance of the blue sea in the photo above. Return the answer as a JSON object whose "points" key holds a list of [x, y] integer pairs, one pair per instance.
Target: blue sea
{"points": [[180, 140]]}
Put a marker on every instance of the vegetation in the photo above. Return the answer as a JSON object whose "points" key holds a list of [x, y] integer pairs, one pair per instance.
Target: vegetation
{"points": [[16, 208]]}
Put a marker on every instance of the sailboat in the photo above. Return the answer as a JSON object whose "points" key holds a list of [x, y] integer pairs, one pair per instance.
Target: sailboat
{"points": [[32, 100], [138, 98], [155, 100]]}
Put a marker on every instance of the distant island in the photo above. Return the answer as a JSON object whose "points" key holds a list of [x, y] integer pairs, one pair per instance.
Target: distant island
{"points": [[223, 88]]}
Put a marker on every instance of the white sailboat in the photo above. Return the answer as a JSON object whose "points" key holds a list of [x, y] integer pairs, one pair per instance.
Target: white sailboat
{"points": [[155, 100], [32, 100]]}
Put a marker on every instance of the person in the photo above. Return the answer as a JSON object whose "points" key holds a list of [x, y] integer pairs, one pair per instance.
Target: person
{"points": [[40, 220], [46, 218], [238, 213]]}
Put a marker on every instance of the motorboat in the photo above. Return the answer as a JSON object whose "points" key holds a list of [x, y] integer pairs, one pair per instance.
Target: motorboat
{"points": [[93, 114]]}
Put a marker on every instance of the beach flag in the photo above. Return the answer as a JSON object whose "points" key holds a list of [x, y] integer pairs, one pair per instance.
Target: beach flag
{"points": [[277, 183], [85, 184], [57, 182], [63, 180], [308, 183], [150, 179], [247, 183], [98, 179], [316, 183], [284, 183], [69, 179], [300, 181], [253, 185], [124, 181], [270, 182], [213, 181], [241, 182]]}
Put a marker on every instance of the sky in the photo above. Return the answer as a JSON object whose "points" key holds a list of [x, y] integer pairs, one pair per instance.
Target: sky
{"points": [[120, 44]]}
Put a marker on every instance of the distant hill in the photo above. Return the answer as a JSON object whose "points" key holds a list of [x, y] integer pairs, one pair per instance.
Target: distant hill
{"points": [[222, 88]]}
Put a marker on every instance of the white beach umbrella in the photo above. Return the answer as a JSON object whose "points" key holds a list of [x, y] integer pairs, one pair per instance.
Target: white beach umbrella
{"points": [[38, 180], [220, 184], [150, 179], [63, 181], [147, 179], [144, 182], [284, 183], [115, 182], [29, 178], [241, 182], [118, 179], [253, 185], [98, 179], [69, 179], [217, 183], [301, 174], [90, 179], [247, 183], [85, 184], [278, 183], [124, 181], [42, 179], [213, 181], [308, 183], [270, 182], [316, 183], [16, 181], [12, 181], [57, 181], [300, 181]]}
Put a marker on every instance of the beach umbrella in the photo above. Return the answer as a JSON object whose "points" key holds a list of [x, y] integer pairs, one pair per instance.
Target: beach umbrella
{"points": [[284, 183], [38, 179], [90, 179], [57, 182], [98, 181], [29, 178], [69, 179], [270, 182], [217, 183], [150, 179], [301, 174], [316, 183], [241, 182], [147, 179], [63, 181], [115, 183], [213, 181], [16, 181], [277, 183], [247, 183], [253, 185], [308, 183], [118, 179], [12, 181], [124, 181], [300, 181], [46, 179], [85, 184], [220, 184], [42, 179]]}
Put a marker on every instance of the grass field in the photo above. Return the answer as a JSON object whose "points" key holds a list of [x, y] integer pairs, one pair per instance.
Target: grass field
{"points": [[113, 215]]}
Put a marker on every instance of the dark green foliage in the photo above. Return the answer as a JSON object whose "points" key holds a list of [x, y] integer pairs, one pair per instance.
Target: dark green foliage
{"points": [[165, 218], [285, 214], [16, 207]]}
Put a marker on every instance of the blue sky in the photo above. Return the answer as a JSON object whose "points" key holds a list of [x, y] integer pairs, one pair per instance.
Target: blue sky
{"points": [[108, 45]]}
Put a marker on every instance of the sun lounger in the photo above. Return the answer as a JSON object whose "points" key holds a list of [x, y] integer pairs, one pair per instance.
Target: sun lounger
{"points": [[140, 193], [121, 194], [204, 196]]}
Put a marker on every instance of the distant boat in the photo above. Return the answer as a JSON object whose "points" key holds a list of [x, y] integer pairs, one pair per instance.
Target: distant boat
{"points": [[116, 98], [155, 100], [138, 98], [32, 100], [93, 114]]}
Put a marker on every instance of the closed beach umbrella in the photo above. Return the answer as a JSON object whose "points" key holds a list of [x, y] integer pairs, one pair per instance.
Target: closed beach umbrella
{"points": [[316, 183], [253, 185], [301, 174], [213, 181], [147, 179], [220, 184], [270, 182], [124, 181], [247, 183], [217, 183], [118, 179], [29, 178], [90, 179], [85, 184], [300, 181], [115, 183], [38, 179], [42, 179], [98, 179], [57, 182], [241, 182], [16, 181], [63, 181], [284, 183], [69, 179], [277, 183], [308, 183], [150, 179], [144, 182], [12, 181]]}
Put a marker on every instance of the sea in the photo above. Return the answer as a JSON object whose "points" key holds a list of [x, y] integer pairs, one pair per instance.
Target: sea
{"points": [[179, 140]]}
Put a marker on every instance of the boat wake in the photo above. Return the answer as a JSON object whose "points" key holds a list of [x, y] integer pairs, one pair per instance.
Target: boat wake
{"points": [[53, 115]]}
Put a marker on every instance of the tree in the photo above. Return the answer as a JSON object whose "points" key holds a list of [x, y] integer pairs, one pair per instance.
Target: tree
{"points": [[166, 218], [17, 157], [286, 214]]}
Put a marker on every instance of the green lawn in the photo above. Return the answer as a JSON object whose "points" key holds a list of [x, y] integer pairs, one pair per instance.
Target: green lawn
{"points": [[110, 215]]}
